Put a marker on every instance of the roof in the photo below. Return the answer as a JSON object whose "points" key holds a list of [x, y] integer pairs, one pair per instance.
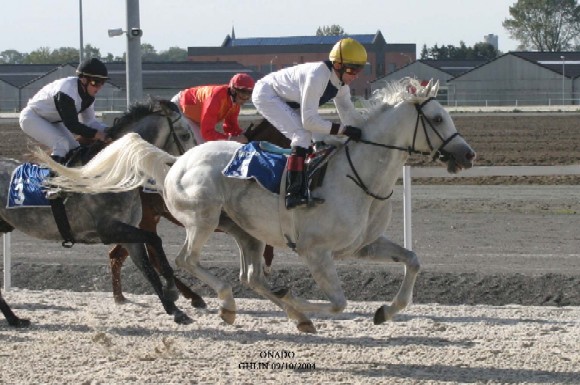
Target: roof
{"points": [[156, 75], [453, 67], [297, 40], [178, 75], [569, 62], [21, 74]]}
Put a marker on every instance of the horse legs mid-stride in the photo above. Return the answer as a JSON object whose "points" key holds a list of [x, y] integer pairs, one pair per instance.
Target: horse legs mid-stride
{"points": [[153, 208]]}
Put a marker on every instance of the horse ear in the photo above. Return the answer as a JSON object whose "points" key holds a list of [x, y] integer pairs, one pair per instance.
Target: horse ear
{"points": [[435, 89], [428, 88]]}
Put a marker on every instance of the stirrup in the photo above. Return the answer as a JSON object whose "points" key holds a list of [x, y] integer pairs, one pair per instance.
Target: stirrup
{"points": [[293, 201], [55, 194]]}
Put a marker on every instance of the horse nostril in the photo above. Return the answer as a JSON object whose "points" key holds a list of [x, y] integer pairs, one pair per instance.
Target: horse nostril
{"points": [[470, 155]]}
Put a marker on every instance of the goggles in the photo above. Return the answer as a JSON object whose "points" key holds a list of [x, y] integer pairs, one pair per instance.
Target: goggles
{"points": [[352, 69], [96, 82], [243, 91]]}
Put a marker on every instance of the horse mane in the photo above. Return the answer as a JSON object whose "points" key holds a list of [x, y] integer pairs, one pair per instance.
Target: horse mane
{"points": [[138, 111], [397, 91]]}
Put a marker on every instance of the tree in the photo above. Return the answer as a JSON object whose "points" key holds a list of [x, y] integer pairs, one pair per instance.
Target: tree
{"points": [[330, 30], [148, 52], [480, 51], [11, 56], [173, 54], [544, 25]]}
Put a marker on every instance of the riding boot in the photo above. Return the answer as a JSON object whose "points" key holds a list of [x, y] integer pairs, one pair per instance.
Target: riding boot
{"points": [[296, 183]]}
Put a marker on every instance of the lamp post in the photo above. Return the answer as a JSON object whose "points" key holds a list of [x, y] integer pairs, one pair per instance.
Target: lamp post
{"points": [[81, 53], [563, 75], [133, 65], [271, 63]]}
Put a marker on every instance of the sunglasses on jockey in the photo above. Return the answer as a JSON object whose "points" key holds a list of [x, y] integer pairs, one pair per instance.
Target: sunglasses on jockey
{"points": [[352, 69]]}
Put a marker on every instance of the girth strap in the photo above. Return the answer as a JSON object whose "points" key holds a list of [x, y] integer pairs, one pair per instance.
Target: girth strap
{"points": [[61, 219]]}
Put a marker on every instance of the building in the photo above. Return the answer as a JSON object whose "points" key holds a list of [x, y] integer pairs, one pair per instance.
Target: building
{"points": [[520, 78], [19, 82], [267, 54], [427, 69]]}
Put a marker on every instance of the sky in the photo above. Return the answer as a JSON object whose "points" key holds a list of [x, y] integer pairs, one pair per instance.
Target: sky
{"points": [[27, 25]]}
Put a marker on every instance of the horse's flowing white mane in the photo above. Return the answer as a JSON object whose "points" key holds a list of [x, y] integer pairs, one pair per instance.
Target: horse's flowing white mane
{"points": [[395, 92]]}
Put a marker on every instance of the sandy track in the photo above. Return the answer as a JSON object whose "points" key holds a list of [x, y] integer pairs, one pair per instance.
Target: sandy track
{"points": [[83, 338]]}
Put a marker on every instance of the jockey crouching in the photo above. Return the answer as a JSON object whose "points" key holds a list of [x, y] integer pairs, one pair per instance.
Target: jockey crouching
{"points": [[66, 107], [290, 98]]}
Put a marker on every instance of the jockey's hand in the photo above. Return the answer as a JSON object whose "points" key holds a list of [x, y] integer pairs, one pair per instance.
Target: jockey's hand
{"points": [[100, 135], [354, 133], [239, 138]]}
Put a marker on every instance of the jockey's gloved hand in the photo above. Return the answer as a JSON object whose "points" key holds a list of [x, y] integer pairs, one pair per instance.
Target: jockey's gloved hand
{"points": [[354, 133]]}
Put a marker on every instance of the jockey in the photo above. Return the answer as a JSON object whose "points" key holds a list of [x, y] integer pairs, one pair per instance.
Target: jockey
{"points": [[290, 98], [206, 106], [65, 107]]}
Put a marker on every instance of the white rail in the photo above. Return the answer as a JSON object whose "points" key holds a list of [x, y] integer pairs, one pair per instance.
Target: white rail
{"points": [[408, 173]]}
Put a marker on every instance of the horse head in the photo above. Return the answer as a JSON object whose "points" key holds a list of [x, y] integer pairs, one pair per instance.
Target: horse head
{"points": [[429, 129], [159, 122]]}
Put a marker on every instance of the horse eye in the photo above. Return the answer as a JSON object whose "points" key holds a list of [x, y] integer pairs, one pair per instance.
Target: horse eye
{"points": [[185, 137], [438, 119]]}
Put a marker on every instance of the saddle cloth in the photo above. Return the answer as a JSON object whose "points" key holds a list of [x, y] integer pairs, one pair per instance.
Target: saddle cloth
{"points": [[26, 188], [251, 161]]}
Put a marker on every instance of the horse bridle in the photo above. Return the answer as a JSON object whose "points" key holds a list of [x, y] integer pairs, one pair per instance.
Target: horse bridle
{"points": [[172, 132], [434, 153]]}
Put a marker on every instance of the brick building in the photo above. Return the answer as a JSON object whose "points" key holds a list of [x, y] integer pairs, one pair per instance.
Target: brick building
{"points": [[267, 54]]}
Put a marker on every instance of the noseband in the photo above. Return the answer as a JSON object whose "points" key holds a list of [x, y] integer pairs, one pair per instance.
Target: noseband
{"points": [[439, 153]]}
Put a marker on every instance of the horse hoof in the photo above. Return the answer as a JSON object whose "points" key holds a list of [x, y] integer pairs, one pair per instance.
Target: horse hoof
{"points": [[229, 316], [120, 299], [380, 316], [198, 303], [267, 270], [181, 318], [20, 323], [306, 327]]}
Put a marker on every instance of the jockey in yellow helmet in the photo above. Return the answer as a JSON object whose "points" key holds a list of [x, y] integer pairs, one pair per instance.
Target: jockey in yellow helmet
{"points": [[290, 98]]}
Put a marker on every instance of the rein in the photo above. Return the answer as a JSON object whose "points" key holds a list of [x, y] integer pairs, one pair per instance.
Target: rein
{"points": [[171, 124], [434, 153]]}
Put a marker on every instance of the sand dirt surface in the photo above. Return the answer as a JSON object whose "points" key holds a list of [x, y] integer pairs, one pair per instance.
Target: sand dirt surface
{"points": [[84, 338]]}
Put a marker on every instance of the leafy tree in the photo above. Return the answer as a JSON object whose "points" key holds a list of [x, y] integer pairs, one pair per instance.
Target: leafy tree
{"points": [[11, 56], [64, 55], [90, 51], [544, 25], [173, 54], [330, 30], [480, 51], [39, 56]]}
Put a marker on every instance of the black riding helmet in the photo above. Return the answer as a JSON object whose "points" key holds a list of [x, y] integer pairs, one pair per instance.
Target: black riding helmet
{"points": [[92, 68]]}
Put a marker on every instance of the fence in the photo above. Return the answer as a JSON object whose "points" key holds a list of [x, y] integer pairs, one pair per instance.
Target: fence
{"points": [[407, 174]]}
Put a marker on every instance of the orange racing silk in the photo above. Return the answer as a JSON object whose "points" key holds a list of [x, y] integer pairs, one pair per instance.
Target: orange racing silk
{"points": [[209, 105]]}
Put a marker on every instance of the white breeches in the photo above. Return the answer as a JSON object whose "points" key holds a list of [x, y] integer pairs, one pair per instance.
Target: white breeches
{"points": [[193, 125], [281, 115], [53, 135]]}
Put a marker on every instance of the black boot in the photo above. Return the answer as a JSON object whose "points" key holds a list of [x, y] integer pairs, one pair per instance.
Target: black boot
{"points": [[58, 159], [296, 183]]}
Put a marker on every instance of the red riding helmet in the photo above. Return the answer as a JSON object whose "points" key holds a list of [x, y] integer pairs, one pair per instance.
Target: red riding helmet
{"points": [[242, 82]]}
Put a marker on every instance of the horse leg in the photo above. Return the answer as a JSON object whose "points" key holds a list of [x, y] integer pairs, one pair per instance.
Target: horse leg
{"points": [[381, 250], [12, 318], [133, 239], [251, 252], [198, 231], [117, 257], [268, 257]]}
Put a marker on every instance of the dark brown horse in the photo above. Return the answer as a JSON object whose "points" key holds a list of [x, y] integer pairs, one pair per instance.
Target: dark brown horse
{"points": [[13, 319], [154, 208]]}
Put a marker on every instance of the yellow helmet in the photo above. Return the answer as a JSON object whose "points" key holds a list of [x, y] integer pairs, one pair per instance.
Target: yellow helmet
{"points": [[348, 51]]}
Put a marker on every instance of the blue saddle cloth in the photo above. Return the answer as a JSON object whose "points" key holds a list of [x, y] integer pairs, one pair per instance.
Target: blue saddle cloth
{"points": [[251, 161], [26, 189]]}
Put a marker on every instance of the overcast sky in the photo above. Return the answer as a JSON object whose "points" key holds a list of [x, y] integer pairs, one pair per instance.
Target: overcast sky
{"points": [[27, 25]]}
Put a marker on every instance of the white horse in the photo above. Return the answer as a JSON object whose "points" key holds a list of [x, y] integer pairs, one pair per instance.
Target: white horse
{"points": [[351, 223]]}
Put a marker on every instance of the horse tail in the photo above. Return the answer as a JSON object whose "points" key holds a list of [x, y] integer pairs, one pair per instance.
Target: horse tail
{"points": [[127, 163]]}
